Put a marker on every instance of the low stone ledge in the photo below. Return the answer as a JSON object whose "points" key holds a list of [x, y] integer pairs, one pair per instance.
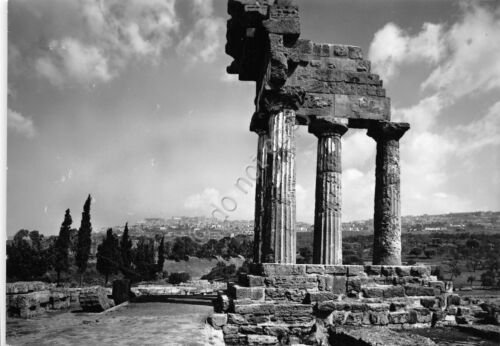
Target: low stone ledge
{"points": [[292, 281], [22, 287], [257, 340], [239, 292], [415, 290]]}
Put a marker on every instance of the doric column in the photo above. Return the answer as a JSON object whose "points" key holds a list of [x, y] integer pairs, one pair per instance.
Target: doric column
{"points": [[260, 126], [278, 235], [387, 216], [327, 248]]}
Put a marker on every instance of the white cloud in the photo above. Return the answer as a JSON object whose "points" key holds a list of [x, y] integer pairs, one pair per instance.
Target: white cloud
{"points": [[69, 59], [203, 42], [484, 132], [202, 203], [392, 47], [473, 60], [464, 58], [20, 124], [119, 32]]}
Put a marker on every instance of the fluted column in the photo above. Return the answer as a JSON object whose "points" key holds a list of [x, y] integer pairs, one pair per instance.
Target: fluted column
{"points": [[387, 216], [260, 126], [327, 245], [279, 238]]}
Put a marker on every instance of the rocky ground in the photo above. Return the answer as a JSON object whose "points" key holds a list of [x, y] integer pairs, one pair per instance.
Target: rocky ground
{"points": [[134, 324]]}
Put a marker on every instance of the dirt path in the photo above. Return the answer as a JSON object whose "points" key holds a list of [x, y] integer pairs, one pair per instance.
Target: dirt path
{"points": [[135, 324]]}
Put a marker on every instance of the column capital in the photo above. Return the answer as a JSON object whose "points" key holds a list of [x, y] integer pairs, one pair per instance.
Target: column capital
{"points": [[385, 130], [326, 127], [259, 123]]}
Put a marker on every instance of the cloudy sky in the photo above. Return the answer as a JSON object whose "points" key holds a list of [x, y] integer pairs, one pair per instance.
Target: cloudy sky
{"points": [[128, 100]]}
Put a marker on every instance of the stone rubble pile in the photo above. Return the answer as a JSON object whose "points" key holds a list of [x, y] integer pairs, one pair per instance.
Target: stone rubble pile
{"points": [[285, 302], [33, 298], [95, 299]]}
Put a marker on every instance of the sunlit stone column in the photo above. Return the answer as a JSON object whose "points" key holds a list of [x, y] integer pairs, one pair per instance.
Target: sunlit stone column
{"points": [[327, 248], [260, 126], [387, 216], [279, 239]]}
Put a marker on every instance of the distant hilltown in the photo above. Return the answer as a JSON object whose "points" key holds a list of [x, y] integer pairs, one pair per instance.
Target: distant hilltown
{"points": [[212, 228]]}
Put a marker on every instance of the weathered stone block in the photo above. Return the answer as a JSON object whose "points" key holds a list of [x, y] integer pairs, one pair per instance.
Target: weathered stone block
{"points": [[414, 290], [394, 292], [95, 299], [251, 329], [294, 295], [398, 306], [292, 281], [275, 269], [377, 307], [403, 270], [239, 292], [388, 270], [419, 315], [217, 320], [257, 340], [233, 318], [355, 52], [355, 270], [373, 269], [353, 284], [230, 329], [329, 306], [439, 285], [357, 319], [398, 317], [316, 297], [22, 287], [337, 318], [339, 285], [335, 269], [380, 318], [293, 310], [315, 269], [255, 309], [325, 282], [251, 280], [373, 292]]}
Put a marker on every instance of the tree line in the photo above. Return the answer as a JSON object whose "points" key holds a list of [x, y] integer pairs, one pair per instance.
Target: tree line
{"points": [[30, 256]]}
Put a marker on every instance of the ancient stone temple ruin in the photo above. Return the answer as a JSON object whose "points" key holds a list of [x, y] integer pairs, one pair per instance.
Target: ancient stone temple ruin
{"points": [[330, 89]]}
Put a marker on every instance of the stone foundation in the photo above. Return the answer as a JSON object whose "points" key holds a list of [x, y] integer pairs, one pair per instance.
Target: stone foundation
{"points": [[278, 303]]}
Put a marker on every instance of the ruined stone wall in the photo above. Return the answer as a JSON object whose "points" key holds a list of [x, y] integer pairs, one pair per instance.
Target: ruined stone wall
{"points": [[33, 298], [281, 303]]}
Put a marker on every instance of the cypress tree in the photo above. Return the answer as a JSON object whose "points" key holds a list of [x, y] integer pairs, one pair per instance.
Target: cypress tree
{"points": [[126, 251], [61, 260], [84, 240], [161, 255], [108, 256]]}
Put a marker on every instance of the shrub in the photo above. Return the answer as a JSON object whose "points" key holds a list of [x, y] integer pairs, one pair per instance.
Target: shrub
{"points": [[177, 278]]}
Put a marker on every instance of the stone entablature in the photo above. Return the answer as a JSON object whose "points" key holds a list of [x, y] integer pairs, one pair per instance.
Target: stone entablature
{"points": [[293, 301]]}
